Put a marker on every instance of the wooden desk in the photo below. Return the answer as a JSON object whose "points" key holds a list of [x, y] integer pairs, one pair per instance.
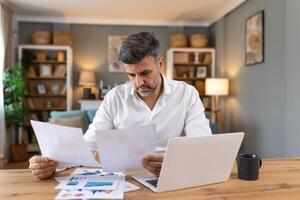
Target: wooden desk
{"points": [[279, 179]]}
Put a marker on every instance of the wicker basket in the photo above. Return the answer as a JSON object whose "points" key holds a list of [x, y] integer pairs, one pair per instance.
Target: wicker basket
{"points": [[178, 40], [198, 40], [62, 38], [41, 56], [41, 37]]}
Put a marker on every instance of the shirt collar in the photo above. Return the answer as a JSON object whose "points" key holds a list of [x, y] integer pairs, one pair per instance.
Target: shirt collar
{"points": [[166, 87]]}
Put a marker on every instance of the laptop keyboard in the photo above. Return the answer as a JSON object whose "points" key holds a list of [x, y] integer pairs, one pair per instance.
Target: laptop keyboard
{"points": [[153, 182]]}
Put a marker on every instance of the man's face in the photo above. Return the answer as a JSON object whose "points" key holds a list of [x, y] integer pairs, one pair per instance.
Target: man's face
{"points": [[145, 75]]}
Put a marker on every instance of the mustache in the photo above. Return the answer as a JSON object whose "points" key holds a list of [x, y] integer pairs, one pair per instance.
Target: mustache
{"points": [[145, 87]]}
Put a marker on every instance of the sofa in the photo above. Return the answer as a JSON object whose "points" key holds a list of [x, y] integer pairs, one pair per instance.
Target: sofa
{"points": [[82, 119]]}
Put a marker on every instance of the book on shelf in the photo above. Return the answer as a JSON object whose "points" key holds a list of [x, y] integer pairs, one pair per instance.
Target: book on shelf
{"points": [[34, 116], [200, 86], [30, 72], [29, 103], [25, 139], [207, 59], [60, 104], [45, 116], [62, 90], [206, 103], [31, 88], [27, 89], [34, 139], [60, 71]]}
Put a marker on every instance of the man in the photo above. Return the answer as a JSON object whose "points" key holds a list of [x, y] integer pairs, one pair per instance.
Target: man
{"points": [[175, 107]]}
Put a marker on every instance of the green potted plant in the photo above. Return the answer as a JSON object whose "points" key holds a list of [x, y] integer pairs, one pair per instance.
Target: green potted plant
{"points": [[14, 87]]}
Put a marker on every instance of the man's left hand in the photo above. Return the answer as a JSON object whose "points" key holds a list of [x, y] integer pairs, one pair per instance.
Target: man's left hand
{"points": [[153, 163]]}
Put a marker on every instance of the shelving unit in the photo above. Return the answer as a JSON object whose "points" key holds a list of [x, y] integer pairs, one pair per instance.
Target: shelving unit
{"points": [[192, 65], [48, 82]]}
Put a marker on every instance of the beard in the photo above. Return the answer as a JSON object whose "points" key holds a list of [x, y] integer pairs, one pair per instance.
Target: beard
{"points": [[147, 90]]}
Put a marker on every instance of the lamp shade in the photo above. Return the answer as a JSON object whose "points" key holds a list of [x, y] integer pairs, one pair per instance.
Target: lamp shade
{"points": [[216, 86], [87, 78]]}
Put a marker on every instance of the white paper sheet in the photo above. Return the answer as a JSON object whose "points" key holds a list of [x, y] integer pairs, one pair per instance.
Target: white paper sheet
{"points": [[94, 193], [123, 149], [63, 144], [130, 187], [91, 194], [117, 193], [109, 182]]}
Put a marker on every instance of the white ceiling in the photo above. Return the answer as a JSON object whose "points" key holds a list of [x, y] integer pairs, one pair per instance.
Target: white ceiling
{"points": [[129, 12]]}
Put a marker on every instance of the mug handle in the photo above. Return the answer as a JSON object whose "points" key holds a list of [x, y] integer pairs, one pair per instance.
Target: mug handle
{"points": [[260, 163]]}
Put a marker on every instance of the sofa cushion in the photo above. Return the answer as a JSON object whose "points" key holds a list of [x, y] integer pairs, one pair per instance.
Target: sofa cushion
{"points": [[76, 122], [213, 126], [72, 113]]}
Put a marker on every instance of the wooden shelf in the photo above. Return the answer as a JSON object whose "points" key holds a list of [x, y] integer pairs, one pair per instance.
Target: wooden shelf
{"points": [[46, 95], [40, 105], [46, 78], [190, 64], [47, 62]]}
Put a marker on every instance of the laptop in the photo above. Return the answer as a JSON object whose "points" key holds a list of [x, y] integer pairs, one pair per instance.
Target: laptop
{"points": [[194, 161]]}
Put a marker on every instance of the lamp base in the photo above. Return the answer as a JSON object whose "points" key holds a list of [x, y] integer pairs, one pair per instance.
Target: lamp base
{"points": [[87, 93]]}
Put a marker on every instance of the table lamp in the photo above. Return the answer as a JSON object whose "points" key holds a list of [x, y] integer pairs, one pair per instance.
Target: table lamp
{"points": [[217, 87], [87, 79]]}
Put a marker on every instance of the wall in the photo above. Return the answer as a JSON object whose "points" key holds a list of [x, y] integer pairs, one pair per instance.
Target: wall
{"points": [[90, 46], [292, 77], [257, 104], [2, 116]]}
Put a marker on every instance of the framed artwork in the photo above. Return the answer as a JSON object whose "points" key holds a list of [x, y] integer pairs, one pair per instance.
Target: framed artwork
{"points": [[45, 70], [255, 39], [114, 44], [41, 89], [201, 72]]}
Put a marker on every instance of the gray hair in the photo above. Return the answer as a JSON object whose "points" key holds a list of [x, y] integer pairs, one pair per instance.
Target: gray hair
{"points": [[137, 46]]}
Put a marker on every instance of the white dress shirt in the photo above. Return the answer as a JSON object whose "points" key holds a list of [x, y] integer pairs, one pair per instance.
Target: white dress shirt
{"points": [[177, 112]]}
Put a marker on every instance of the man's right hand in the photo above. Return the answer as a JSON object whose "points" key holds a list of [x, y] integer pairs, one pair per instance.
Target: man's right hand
{"points": [[42, 167]]}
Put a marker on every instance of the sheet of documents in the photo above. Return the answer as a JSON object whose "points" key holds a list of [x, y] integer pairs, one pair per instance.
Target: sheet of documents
{"points": [[123, 149], [63, 144], [82, 175], [109, 182], [88, 172], [130, 187]]}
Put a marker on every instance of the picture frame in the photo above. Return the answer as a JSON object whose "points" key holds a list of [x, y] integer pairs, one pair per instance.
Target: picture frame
{"points": [[41, 89], [201, 72], [45, 70], [114, 44], [254, 52]]}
